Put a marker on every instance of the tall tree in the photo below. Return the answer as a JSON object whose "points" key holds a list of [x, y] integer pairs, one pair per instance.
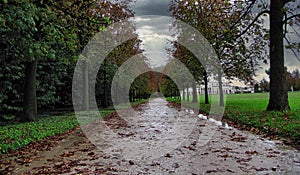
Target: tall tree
{"points": [[214, 19], [88, 18], [30, 34], [33, 31], [278, 92], [282, 13], [244, 23], [192, 63]]}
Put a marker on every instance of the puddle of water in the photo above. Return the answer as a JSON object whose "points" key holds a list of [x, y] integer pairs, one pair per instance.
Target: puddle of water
{"points": [[202, 117], [228, 127], [218, 123]]}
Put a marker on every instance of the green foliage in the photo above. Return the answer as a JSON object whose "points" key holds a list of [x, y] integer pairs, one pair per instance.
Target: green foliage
{"points": [[28, 32], [18, 135], [52, 84], [54, 33], [168, 87], [11, 94], [51, 75], [31, 31], [142, 85]]}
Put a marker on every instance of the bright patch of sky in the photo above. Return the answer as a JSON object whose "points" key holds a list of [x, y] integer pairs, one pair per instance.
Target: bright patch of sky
{"points": [[153, 28], [154, 31]]}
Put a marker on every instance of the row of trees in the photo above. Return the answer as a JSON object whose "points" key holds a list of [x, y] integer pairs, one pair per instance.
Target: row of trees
{"points": [[292, 81], [240, 41], [40, 44]]}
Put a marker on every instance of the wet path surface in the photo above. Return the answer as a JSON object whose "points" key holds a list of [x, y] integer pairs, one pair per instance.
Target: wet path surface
{"points": [[161, 139]]}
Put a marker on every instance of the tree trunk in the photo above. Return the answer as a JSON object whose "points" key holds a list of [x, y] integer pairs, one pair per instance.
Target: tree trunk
{"points": [[183, 94], [117, 99], [187, 93], [30, 103], [105, 100], [195, 96], [221, 93], [278, 100], [130, 95], [205, 88], [85, 75]]}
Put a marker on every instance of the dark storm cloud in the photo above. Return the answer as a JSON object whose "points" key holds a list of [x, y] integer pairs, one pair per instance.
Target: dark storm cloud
{"points": [[151, 7]]}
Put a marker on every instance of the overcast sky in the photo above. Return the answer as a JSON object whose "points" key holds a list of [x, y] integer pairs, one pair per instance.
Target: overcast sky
{"points": [[152, 22], [154, 32], [151, 7]]}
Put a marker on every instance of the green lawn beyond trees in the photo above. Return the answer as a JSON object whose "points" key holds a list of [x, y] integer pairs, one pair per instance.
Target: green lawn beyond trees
{"points": [[249, 109]]}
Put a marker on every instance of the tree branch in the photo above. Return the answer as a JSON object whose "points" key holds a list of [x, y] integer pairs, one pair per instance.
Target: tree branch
{"points": [[74, 16], [244, 15], [240, 18], [292, 49], [285, 25], [286, 1], [296, 32], [291, 17], [252, 23]]}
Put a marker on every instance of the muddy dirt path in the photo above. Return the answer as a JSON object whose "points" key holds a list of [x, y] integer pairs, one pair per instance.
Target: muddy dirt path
{"points": [[161, 139]]}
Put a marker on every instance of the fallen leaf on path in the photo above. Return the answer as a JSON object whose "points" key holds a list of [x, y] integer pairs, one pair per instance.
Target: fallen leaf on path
{"points": [[175, 165], [229, 170], [244, 160], [168, 155], [190, 148], [238, 139], [251, 152], [260, 169], [211, 171]]}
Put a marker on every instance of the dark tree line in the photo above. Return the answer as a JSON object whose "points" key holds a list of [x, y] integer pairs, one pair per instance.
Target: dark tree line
{"points": [[40, 45]]}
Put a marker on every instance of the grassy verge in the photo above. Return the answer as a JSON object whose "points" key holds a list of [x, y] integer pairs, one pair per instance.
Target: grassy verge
{"points": [[249, 110], [15, 136]]}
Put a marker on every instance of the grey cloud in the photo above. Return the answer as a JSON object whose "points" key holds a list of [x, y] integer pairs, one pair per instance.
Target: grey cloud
{"points": [[151, 7], [154, 31]]}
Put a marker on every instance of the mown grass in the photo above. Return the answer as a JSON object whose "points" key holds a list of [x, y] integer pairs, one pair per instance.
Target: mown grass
{"points": [[15, 136], [250, 110]]}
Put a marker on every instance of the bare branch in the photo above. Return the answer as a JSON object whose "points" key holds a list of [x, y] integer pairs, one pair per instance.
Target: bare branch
{"points": [[296, 31], [294, 52], [286, 1], [285, 26], [253, 22], [291, 17], [240, 18]]}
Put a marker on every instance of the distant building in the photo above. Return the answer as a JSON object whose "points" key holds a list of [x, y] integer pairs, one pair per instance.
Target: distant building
{"points": [[228, 88], [213, 88], [245, 89]]}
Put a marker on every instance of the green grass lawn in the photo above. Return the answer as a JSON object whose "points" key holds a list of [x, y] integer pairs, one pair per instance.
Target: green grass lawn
{"points": [[250, 109], [15, 136]]}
